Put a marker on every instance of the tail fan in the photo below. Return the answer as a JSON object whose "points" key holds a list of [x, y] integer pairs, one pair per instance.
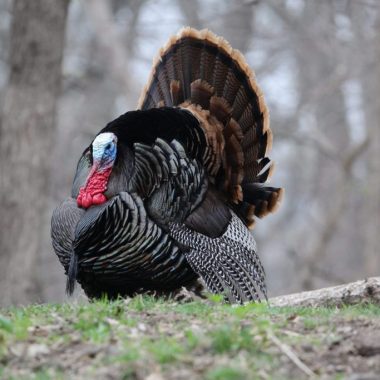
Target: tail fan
{"points": [[199, 71], [259, 200]]}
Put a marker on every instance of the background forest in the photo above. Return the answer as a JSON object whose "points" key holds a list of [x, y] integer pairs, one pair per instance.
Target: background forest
{"points": [[318, 63]]}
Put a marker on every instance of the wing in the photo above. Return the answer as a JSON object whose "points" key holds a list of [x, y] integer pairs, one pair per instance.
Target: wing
{"points": [[176, 189], [228, 264], [216, 243], [171, 183], [119, 242]]}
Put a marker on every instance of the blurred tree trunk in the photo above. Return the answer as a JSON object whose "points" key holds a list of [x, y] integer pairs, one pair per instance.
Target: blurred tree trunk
{"points": [[371, 86], [114, 47], [321, 65], [26, 135]]}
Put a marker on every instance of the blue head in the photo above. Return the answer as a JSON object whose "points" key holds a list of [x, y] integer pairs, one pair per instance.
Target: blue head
{"points": [[104, 149]]}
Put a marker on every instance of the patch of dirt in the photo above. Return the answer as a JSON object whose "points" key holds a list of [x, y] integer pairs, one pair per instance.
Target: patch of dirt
{"points": [[349, 347]]}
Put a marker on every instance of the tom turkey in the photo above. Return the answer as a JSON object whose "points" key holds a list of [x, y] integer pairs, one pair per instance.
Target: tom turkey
{"points": [[165, 194]]}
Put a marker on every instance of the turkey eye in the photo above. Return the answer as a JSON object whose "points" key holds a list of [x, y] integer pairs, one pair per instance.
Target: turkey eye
{"points": [[108, 146]]}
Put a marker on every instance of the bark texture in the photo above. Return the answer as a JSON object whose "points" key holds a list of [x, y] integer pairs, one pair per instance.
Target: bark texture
{"points": [[26, 135], [367, 290]]}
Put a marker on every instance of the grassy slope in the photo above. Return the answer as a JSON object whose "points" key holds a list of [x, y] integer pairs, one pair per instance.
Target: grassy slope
{"points": [[142, 337]]}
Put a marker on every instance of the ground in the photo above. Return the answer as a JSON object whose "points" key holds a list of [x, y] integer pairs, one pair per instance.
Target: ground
{"points": [[155, 339]]}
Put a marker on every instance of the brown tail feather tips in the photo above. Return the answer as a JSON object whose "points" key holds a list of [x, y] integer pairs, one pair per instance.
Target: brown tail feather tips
{"points": [[200, 71]]}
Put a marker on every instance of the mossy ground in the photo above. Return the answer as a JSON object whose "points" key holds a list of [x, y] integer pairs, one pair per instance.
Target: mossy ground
{"points": [[150, 338]]}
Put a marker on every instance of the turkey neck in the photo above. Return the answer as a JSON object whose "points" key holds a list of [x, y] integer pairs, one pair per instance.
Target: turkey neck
{"points": [[92, 192]]}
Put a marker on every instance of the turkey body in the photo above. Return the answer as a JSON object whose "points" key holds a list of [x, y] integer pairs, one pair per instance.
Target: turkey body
{"points": [[165, 194]]}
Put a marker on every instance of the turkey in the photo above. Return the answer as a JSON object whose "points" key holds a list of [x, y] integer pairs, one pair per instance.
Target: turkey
{"points": [[166, 194]]}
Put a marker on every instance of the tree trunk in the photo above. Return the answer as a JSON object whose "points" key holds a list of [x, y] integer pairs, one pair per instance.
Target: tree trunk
{"points": [[371, 91], [26, 135]]}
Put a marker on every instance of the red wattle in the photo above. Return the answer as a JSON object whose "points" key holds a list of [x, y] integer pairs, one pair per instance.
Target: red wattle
{"points": [[98, 199], [92, 192]]}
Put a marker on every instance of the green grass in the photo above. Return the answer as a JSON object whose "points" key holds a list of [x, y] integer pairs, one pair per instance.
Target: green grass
{"points": [[226, 373], [133, 337]]}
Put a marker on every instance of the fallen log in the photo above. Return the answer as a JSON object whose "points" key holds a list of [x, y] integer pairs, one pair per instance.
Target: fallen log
{"points": [[364, 291]]}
